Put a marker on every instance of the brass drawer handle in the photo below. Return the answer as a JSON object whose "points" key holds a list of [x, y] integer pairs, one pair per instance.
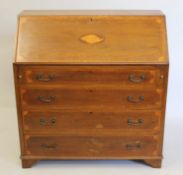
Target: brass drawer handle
{"points": [[132, 100], [133, 79], [50, 122], [49, 147], [135, 122], [41, 77], [48, 99], [133, 146]]}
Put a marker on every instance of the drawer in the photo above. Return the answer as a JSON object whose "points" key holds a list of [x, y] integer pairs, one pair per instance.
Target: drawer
{"points": [[70, 122], [89, 146], [89, 97], [124, 75]]}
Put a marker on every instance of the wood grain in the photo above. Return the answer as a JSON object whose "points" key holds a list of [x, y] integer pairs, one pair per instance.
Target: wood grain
{"points": [[129, 76], [78, 122], [91, 85], [56, 39], [91, 146], [88, 97]]}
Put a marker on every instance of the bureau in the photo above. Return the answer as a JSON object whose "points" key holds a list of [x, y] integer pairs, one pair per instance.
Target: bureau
{"points": [[91, 85]]}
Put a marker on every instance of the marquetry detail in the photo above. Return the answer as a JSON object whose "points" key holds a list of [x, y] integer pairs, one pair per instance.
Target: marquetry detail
{"points": [[91, 38], [91, 85]]}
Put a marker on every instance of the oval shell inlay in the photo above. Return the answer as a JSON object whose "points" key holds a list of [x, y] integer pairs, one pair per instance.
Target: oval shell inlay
{"points": [[92, 39]]}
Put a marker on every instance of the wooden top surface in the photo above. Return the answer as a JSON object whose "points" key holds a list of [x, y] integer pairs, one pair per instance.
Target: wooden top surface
{"points": [[91, 37]]}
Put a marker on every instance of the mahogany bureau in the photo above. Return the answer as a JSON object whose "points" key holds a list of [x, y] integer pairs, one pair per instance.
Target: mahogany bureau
{"points": [[91, 85]]}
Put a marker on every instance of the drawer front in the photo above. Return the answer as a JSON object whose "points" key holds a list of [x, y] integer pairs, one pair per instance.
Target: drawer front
{"points": [[86, 146], [60, 122], [90, 97], [124, 75]]}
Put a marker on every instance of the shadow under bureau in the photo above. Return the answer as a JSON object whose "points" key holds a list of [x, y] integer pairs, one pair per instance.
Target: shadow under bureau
{"points": [[91, 85]]}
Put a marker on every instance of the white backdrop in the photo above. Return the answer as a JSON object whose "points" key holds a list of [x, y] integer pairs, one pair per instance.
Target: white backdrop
{"points": [[9, 9]]}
